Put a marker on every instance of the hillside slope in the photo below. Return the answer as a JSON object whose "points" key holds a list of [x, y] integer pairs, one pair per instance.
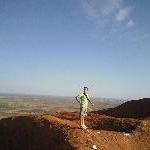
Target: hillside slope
{"points": [[130, 109], [61, 131]]}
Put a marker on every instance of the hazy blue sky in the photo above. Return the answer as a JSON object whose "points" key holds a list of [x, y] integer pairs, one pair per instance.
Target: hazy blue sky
{"points": [[57, 46]]}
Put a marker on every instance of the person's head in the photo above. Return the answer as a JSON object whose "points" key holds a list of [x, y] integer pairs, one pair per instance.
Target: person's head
{"points": [[85, 89]]}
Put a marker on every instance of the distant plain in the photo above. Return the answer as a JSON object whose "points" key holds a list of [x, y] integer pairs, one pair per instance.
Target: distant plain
{"points": [[16, 105]]}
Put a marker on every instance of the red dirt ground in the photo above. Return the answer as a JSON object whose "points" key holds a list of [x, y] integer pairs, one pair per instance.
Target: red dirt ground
{"points": [[60, 131]]}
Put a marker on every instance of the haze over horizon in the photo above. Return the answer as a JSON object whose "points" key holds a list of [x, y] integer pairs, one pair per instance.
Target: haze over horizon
{"points": [[57, 47]]}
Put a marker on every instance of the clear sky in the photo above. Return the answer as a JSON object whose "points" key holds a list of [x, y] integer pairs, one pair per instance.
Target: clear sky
{"points": [[56, 47]]}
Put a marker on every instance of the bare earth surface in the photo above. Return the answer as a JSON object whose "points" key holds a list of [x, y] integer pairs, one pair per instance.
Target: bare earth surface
{"points": [[60, 131], [104, 137]]}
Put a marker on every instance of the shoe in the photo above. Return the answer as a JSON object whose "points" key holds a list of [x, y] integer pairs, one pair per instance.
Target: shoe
{"points": [[83, 127]]}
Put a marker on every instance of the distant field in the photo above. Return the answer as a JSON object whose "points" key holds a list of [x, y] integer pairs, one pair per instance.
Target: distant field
{"points": [[31, 105]]}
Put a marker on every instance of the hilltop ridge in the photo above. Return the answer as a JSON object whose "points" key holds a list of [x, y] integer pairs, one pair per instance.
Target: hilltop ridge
{"points": [[60, 131]]}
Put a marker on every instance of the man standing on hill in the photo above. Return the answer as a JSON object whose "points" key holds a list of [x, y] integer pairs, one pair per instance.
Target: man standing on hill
{"points": [[83, 100]]}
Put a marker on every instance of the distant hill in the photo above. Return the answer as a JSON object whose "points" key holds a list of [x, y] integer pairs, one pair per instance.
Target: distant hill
{"points": [[130, 109]]}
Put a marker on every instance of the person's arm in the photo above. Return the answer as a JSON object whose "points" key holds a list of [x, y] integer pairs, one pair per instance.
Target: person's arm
{"points": [[89, 99], [91, 102], [77, 99]]}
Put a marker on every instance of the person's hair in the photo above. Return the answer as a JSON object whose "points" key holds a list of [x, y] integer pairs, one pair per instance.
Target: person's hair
{"points": [[86, 88]]}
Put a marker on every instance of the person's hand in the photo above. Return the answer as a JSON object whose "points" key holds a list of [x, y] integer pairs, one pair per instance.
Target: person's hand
{"points": [[92, 104]]}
